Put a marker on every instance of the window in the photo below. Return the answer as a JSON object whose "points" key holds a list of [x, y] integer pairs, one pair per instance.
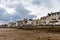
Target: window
{"points": [[59, 18], [49, 14], [54, 19]]}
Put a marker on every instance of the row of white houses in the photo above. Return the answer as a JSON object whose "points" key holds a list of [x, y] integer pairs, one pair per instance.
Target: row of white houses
{"points": [[51, 18]]}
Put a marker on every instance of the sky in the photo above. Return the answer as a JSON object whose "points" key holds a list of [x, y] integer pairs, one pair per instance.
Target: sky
{"points": [[14, 10]]}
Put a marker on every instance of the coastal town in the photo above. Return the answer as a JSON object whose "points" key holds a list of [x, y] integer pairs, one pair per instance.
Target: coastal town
{"points": [[45, 28], [52, 18]]}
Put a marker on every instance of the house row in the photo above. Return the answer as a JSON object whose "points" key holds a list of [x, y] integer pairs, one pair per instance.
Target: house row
{"points": [[52, 18], [25, 22]]}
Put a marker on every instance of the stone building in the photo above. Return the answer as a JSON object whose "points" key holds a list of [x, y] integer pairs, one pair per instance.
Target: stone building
{"points": [[24, 22], [51, 18], [19, 23], [11, 24], [36, 22], [4, 25]]}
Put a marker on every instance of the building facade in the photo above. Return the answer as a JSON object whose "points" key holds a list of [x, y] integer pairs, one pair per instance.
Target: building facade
{"points": [[51, 18], [11, 24], [24, 22], [36, 22]]}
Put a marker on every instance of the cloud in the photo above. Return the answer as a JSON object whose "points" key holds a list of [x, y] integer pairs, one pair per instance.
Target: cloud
{"points": [[36, 2], [1, 11], [13, 10], [46, 3], [21, 10], [40, 8], [10, 10]]}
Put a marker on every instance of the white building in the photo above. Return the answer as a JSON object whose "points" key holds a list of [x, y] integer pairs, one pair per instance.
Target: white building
{"points": [[24, 22], [51, 18]]}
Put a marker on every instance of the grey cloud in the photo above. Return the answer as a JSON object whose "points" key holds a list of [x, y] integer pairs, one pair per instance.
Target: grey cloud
{"points": [[1, 11], [31, 16], [46, 3], [21, 13], [37, 2]]}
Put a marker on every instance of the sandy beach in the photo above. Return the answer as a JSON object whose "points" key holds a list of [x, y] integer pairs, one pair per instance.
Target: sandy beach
{"points": [[20, 34]]}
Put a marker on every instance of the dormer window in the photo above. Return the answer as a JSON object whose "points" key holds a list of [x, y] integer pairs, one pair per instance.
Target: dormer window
{"points": [[59, 18]]}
